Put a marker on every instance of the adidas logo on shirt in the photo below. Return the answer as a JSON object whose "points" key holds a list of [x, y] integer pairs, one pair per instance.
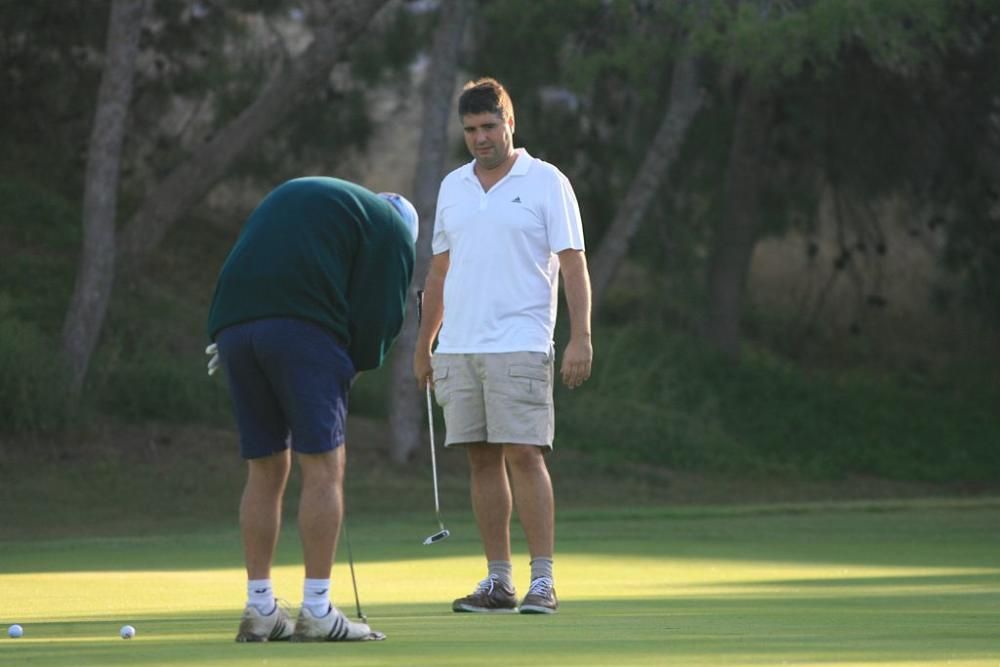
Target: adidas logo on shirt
{"points": [[515, 200]]}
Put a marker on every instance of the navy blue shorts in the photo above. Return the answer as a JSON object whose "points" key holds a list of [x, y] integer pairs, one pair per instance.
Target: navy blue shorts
{"points": [[289, 380]]}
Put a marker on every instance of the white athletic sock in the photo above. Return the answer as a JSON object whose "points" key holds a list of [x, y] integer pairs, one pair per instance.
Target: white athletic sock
{"points": [[503, 570], [316, 596], [260, 595], [541, 567]]}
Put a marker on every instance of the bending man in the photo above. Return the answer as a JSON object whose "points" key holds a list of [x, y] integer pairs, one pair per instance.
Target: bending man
{"points": [[313, 292]]}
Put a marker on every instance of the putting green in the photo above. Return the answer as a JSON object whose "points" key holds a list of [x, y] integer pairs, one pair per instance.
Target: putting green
{"points": [[806, 585]]}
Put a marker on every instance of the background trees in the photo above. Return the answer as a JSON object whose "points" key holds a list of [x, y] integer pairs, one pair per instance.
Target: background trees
{"points": [[812, 181], [92, 290]]}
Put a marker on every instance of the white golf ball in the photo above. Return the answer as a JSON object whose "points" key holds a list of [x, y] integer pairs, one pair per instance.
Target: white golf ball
{"points": [[15, 631], [127, 632]]}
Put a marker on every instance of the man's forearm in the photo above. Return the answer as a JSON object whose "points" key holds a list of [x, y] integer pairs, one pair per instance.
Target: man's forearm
{"points": [[576, 285], [433, 312], [433, 303]]}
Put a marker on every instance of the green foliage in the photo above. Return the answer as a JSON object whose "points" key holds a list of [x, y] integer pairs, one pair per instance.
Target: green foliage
{"points": [[388, 47], [773, 42], [32, 384], [872, 97], [151, 362], [35, 217], [639, 407], [333, 118], [42, 232], [370, 393], [153, 385], [49, 81], [669, 400]]}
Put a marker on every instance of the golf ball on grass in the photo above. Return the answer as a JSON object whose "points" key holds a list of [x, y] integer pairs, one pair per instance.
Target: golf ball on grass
{"points": [[15, 631], [127, 632]]}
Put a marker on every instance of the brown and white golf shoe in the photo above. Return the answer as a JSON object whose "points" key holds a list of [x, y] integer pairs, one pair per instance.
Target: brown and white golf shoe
{"points": [[541, 597], [491, 595]]}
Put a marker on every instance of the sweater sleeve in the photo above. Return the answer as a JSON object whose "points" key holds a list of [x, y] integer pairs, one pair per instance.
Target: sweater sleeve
{"points": [[379, 284]]}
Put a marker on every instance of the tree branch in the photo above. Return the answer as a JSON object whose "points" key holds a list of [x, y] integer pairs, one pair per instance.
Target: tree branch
{"points": [[194, 177], [685, 101]]}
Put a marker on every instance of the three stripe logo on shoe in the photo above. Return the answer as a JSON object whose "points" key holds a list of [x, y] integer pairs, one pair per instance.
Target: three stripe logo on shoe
{"points": [[339, 630], [280, 629]]}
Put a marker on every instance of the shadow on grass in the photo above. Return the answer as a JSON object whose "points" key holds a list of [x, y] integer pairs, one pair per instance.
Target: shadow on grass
{"points": [[922, 535], [850, 626], [971, 584]]}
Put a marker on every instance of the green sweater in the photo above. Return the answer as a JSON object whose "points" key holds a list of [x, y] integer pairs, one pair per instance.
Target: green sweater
{"points": [[324, 250]]}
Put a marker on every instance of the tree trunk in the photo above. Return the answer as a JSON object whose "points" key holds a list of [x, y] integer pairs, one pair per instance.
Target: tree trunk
{"points": [[736, 234], [685, 100], [194, 177], [406, 401], [95, 274]]}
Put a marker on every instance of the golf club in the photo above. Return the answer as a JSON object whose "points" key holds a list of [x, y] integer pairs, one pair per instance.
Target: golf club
{"points": [[350, 562], [442, 532]]}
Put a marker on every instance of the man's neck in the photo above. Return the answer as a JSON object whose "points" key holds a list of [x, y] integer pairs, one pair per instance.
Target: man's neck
{"points": [[490, 177]]}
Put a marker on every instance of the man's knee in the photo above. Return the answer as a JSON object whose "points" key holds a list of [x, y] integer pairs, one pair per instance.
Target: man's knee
{"points": [[485, 458], [324, 468], [525, 457], [269, 470]]}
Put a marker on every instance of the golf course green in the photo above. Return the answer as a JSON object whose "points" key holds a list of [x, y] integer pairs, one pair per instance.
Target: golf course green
{"points": [[890, 584]]}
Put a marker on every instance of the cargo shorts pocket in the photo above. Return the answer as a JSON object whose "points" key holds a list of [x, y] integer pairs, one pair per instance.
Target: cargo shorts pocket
{"points": [[441, 384], [529, 383]]}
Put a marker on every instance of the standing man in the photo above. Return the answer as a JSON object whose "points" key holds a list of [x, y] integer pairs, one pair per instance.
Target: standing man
{"points": [[313, 292], [506, 226]]}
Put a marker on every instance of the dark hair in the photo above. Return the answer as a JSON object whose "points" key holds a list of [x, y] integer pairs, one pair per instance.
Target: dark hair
{"points": [[485, 95]]}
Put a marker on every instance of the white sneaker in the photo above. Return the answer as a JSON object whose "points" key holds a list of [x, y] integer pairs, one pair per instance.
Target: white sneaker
{"points": [[258, 627], [334, 627]]}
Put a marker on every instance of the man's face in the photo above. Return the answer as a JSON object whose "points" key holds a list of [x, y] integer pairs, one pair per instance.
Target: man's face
{"points": [[489, 138]]}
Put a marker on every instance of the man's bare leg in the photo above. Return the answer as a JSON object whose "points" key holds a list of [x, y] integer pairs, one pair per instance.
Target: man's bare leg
{"points": [[533, 497], [491, 499], [536, 510], [260, 511], [321, 509]]}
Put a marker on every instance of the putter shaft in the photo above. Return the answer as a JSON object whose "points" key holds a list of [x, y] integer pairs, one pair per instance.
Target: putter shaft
{"points": [[443, 532], [354, 582], [434, 472]]}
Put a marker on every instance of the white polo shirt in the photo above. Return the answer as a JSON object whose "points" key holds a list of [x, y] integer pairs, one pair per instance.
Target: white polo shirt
{"points": [[501, 291]]}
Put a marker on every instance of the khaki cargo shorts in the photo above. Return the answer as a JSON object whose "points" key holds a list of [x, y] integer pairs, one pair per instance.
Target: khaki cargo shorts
{"points": [[503, 397]]}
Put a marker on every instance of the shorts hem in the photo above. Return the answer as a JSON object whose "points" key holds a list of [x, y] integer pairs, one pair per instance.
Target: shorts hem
{"points": [[466, 443]]}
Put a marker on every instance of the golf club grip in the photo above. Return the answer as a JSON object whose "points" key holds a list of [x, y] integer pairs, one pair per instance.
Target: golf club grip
{"points": [[420, 306]]}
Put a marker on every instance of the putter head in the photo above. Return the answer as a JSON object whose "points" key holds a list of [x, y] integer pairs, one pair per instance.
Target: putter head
{"points": [[438, 536]]}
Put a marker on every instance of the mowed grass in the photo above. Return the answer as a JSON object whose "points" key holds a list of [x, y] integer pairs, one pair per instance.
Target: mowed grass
{"points": [[888, 584]]}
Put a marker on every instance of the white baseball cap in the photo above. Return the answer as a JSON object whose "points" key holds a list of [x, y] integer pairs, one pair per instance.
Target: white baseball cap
{"points": [[406, 211]]}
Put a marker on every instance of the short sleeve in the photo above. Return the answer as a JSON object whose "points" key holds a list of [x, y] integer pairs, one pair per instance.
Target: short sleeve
{"points": [[563, 223], [439, 239]]}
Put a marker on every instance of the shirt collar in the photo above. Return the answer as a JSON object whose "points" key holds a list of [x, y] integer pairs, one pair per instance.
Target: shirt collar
{"points": [[520, 167]]}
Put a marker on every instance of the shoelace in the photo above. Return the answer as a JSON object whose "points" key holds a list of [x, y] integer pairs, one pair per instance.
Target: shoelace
{"points": [[540, 586], [487, 584]]}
